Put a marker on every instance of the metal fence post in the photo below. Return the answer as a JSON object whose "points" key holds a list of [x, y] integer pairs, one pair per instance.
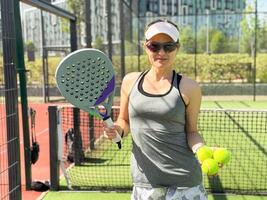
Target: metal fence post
{"points": [[23, 93], [53, 147]]}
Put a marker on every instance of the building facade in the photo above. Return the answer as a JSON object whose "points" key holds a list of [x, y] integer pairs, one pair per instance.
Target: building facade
{"points": [[218, 14], [99, 20], [53, 32], [224, 15]]}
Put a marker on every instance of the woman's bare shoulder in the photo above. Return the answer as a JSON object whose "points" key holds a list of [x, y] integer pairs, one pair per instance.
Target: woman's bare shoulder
{"points": [[190, 89], [131, 77], [189, 83], [129, 80]]}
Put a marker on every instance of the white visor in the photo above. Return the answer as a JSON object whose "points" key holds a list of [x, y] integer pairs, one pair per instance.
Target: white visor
{"points": [[162, 27]]}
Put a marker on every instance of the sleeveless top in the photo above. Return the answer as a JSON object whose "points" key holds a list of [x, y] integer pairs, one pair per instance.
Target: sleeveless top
{"points": [[161, 156]]}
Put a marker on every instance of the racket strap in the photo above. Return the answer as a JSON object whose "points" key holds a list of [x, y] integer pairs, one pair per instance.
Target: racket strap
{"points": [[32, 114], [122, 133]]}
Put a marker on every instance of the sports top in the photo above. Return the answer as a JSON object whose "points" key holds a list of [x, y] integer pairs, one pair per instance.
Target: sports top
{"points": [[160, 153]]}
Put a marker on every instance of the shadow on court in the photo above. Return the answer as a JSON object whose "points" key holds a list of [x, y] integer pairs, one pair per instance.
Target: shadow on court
{"points": [[216, 187], [247, 134]]}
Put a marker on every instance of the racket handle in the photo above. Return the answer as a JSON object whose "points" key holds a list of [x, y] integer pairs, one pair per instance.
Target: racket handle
{"points": [[117, 139]]}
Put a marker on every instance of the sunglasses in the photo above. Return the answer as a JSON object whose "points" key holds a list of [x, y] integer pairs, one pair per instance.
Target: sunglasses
{"points": [[168, 47]]}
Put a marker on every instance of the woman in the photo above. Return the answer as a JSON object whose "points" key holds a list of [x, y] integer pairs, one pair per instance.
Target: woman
{"points": [[160, 108]]}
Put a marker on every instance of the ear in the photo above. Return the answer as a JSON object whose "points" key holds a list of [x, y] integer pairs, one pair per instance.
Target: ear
{"points": [[144, 45], [178, 48]]}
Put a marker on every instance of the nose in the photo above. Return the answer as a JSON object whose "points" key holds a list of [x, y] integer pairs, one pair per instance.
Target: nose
{"points": [[161, 51]]}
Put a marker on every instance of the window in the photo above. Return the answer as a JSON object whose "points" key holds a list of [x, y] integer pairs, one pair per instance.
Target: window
{"points": [[53, 20], [219, 4], [190, 2], [185, 14], [227, 18], [213, 4], [207, 6], [183, 3], [190, 10], [229, 4], [32, 20], [184, 10], [175, 8], [240, 4], [163, 8]]}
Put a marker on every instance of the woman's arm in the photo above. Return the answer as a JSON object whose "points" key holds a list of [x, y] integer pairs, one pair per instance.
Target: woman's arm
{"points": [[192, 97], [123, 118], [122, 123]]}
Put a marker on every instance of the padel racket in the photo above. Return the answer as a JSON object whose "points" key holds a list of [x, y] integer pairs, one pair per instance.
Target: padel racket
{"points": [[86, 79]]}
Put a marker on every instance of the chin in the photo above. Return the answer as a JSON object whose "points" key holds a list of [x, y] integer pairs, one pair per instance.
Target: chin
{"points": [[160, 65]]}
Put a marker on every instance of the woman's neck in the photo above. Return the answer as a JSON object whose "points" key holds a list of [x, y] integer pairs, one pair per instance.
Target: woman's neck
{"points": [[159, 74]]}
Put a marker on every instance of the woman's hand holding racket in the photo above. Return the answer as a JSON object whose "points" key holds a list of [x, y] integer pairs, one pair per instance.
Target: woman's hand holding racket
{"points": [[112, 132]]}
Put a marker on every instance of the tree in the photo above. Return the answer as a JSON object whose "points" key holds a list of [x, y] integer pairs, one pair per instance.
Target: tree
{"points": [[30, 48], [187, 40], [201, 40], [248, 26], [98, 44], [248, 32], [262, 35], [218, 42], [78, 9], [232, 45]]}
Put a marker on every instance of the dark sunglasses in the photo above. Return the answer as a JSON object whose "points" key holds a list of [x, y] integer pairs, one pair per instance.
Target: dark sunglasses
{"points": [[157, 46]]}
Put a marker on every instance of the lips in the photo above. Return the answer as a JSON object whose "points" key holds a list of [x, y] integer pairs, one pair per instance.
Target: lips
{"points": [[161, 59]]}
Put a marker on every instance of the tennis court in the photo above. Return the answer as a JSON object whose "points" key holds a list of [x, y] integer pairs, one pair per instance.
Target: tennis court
{"points": [[223, 48], [239, 126], [126, 196]]}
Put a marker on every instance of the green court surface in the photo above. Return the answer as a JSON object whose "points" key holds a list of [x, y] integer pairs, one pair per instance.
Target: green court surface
{"points": [[126, 196], [243, 138], [235, 104]]}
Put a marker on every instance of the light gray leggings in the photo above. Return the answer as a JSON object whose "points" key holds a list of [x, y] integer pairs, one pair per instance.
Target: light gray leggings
{"points": [[194, 193]]}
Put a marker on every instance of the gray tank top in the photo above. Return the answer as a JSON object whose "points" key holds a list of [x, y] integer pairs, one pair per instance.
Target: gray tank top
{"points": [[160, 154]]}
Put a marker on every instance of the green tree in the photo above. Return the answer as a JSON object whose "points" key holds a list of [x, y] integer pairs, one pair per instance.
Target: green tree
{"points": [[130, 48], [218, 42], [248, 27], [187, 40], [248, 31], [262, 37], [30, 48], [98, 43], [65, 25], [232, 45], [201, 40]]}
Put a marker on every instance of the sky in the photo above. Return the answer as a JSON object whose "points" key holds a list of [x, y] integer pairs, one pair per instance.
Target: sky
{"points": [[262, 5]]}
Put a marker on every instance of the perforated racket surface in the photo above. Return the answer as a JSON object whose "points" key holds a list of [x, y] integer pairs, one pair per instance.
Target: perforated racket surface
{"points": [[86, 79]]}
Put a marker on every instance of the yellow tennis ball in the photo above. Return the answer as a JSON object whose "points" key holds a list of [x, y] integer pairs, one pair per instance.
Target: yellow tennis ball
{"points": [[204, 153], [210, 166], [222, 155]]}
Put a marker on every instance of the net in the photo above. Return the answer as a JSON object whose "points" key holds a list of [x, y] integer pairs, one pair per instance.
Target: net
{"points": [[243, 132], [93, 162]]}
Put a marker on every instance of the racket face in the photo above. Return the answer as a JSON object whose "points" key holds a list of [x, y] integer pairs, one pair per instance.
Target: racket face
{"points": [[86, 78]]}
